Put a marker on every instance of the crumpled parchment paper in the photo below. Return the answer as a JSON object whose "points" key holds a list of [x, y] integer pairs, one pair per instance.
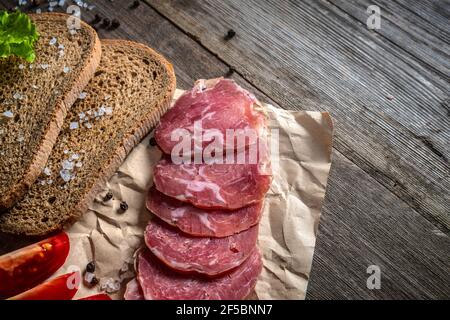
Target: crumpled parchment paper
{"points": [[288, 226]]}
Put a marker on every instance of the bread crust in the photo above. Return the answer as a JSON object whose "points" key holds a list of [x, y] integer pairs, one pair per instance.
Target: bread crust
{"points": [[131, 138], [63, 104]]}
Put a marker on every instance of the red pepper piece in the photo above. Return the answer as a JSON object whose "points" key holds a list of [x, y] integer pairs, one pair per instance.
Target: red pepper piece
{"points": [[27, 267], [100, 296], [61, 288]]}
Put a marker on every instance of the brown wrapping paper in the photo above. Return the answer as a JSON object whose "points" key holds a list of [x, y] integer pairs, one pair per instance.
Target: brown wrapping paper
{"points": [[287, 230]]}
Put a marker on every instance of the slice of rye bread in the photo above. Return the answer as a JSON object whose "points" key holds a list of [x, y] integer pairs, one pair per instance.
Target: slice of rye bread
{"points": [[131, 89], [35, 98]]}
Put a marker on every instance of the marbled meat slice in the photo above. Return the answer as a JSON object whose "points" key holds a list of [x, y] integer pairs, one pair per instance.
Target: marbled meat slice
{"points": [[219, 104], [189, 254], [158, 282], [200, 222], [133, 291], [213, 186]]}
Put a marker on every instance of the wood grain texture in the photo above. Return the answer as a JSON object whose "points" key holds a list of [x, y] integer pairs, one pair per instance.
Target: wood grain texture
{"points": [[391, 111], [415, 36], [366, 226], [434, 12], [363, 222]]}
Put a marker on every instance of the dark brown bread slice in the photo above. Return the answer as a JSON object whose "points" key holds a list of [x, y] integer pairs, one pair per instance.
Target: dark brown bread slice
{"points": [[132, 88], [35, 98]]}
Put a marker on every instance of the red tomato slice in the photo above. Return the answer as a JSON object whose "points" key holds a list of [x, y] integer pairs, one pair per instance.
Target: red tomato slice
{"points": [[25, 268], [61, 288], [100, 296]]}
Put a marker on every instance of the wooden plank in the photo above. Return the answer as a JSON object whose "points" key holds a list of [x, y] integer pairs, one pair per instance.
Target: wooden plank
{"points": [[435, 12], [355, 202], [366, 226], [416, 36], [391, 111]]}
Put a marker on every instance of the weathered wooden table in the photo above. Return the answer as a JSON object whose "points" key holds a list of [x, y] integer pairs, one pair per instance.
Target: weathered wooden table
{"points": [[388, 197]]}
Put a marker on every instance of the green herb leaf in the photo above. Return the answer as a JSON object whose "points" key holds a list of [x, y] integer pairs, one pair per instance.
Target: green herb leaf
{"points": [[17, 35]]}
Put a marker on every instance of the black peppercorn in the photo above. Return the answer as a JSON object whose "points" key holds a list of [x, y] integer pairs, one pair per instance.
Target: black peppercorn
{"points": [[230, 34], [123, 206], [108, 196], [106, 23], [229, 73], [90, 267], [115, 24], [135, 4], [152, 142], [94, 281], [36, 3], [96, 19]]}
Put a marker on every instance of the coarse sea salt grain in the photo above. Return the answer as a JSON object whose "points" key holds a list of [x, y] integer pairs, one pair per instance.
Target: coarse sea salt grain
{"points": [[66, 175], [75, 156], [101, 111], [47, 171], [66, 151], [8, 114], [79, 164], [67, 165], [73, 125], [88, 125], [38, 11], [17, 96], [82, 95], [53, 41], [34, 86], [21, 66], [49, 181], [110, 285], [88, 277], [108, 110], [66, 69], [44, 66], [125, 267]]}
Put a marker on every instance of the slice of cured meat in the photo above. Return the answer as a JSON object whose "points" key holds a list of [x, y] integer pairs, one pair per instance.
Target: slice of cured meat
{"points": [[189, 254], [133, 291], [201, 222], [219, 104], [158, 282], [213, 186]]}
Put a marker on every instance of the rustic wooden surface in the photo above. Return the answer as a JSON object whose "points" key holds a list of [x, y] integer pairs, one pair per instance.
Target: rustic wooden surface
{"points": [[388, 199]]}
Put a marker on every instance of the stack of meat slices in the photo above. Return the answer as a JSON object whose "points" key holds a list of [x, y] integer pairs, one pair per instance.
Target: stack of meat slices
{"points": [[202, 242]]}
